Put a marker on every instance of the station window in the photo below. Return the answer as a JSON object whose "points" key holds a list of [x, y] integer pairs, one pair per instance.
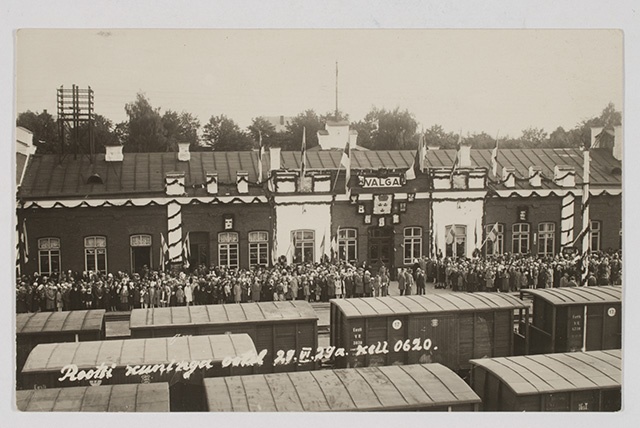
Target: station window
{"points": [[228, 249], [456, 240], [304, 243], [412, 244], [258, 248], [520, 238], [596, 227], [546, 239], [49, 255], [347, 244], [495, 239], [95, 253]]}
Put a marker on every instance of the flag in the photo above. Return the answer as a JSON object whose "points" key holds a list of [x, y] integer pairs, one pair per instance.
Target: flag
{"points": [[260, 155], [494, 160], [186, 250], [456, 161], [274, 251], [493, 233], [475, 235], [346, 162], [25, 242], [303, 153], [410, 174], [422, 152], [164, 249], [451, 235]]}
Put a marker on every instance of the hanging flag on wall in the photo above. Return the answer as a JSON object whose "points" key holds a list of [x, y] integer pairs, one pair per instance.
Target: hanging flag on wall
{"points": [[494, 159], [303, 153], [260, 155], [346, 162]]}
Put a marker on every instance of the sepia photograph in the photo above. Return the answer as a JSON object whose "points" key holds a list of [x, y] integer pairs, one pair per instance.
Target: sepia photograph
{"points": [[318, 220]]}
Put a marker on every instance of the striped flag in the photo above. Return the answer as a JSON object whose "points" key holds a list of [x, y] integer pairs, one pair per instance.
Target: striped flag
{"points": [[451, 235], [303, 153], [186, 249], [493, 233], [422, 152], [346, 162], [24, 242], [260, 155], [164, 249]]}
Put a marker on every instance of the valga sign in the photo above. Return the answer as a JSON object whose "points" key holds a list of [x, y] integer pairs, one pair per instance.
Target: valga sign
{"points": [[390, 181]]}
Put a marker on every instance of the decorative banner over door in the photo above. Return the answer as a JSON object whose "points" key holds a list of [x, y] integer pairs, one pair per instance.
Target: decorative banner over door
{"points": [[382, 204]]}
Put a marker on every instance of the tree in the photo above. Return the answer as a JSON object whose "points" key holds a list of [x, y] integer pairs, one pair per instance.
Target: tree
{"points": [[308, 120], [261, 126], [388, 129], [145, 129], [180, 128], [223, 134], [534, 137], [581, 134], [559, 138], [44, 129]]}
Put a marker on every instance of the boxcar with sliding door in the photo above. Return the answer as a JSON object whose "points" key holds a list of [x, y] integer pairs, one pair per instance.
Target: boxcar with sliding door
{"points": [[53, 327], [448, 328], [424, 387], [181, 361], [107, 398], [572, 319], [277, 327], [575, 381]]}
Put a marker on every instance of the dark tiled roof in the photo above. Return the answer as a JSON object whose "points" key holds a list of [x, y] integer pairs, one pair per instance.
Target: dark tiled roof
{"points": [[143, 174], [602, 163]]}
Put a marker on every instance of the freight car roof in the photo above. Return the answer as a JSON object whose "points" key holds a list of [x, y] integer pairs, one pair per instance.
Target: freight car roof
{"points": [[450, 302], [538, 374], [152, 397], [54, 356], [579, 295], [221, 314], [67, 321], [372, 388]]}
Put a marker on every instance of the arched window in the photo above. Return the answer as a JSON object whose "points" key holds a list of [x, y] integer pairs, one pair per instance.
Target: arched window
{"points": [[520, 238], [304, 243], [228, 254], [412, 244], [95, 253], [347, 244], [258, 248], [546, 239], [48, 255]]}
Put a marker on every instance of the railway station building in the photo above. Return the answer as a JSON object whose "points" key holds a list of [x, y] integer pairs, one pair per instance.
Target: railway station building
{"points": [[123, 211]]}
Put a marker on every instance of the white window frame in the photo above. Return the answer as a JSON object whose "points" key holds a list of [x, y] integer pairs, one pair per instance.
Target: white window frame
{"points": [[304, 239], [595, 233], [522, 234], [546, 233], [228, 244], [498, 243], [412, 244], [258, 248], [93, 247], [347, 243], [49, 247]]}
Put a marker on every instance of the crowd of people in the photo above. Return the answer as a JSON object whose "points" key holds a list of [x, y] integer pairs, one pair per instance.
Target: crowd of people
{"points": [[310, 281]]}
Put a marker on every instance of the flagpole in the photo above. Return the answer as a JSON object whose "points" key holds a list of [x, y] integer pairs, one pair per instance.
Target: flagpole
{"points": [[337, 175], [584, 261]]}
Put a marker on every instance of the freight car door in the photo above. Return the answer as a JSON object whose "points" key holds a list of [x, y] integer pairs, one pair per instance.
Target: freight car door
{"points": [[434, 340], [612, 337]]}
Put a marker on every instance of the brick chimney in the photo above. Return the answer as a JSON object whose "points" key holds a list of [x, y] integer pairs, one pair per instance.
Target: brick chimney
{"points": [[464, 154], [535, 176], [242, 181], [274, 158]]}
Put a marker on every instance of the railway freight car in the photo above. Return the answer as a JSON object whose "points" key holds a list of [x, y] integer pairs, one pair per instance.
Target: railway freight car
{"points": [[449, 329], [181, 361], [572, 319], [575, 381], [427, 387], [53, 327], [107, 398], [277, 327]]}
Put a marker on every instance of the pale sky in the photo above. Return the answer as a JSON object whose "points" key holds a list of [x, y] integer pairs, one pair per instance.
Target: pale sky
{"points": [[475, 80]]}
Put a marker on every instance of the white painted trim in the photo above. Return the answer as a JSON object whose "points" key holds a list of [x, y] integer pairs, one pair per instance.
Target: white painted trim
{"points": [[302, 199], [73, 203], [480, 194], [557, 192]]}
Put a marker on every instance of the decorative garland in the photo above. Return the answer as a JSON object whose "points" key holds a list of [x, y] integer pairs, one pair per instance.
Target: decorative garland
{"points": [[130, 203], [552, 192]]}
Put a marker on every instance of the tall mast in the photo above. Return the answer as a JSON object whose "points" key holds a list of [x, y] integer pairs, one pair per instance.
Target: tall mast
{"points": [[336, 91]]}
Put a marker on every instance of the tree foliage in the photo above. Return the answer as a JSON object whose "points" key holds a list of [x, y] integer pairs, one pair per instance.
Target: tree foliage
{"points": [[223, 134], [308, 120], [383, 129], [145, 128], [180, 128], [44, 129]]}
